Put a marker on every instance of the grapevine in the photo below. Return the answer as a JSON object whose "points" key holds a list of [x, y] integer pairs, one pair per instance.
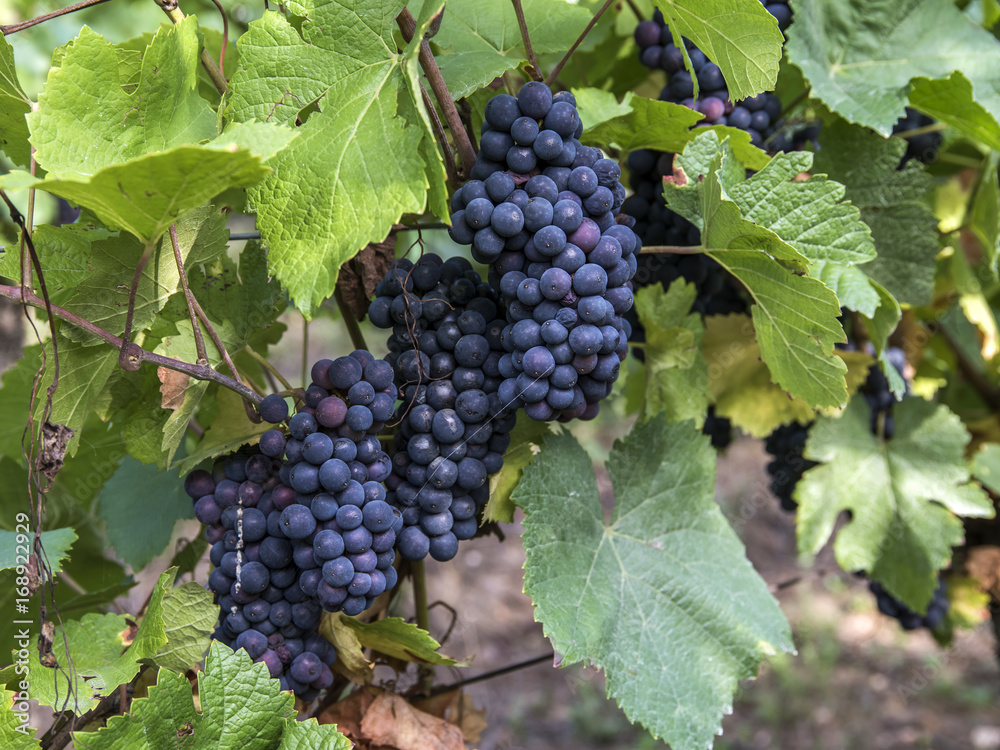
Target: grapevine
{"points": [[312, 300]]}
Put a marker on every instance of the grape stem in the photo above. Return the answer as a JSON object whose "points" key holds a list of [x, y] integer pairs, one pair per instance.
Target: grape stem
{"points": [[353, 329], [11, 28], [199, 340], [934, 127], [442, 137], [198, 372], [225, 37], [523, 25], [408, 27], [127, 359], [423, 614], [583, 35], [268, 367], [248, 406]]}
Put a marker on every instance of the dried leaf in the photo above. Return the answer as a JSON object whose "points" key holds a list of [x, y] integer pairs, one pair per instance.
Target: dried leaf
{"points": [[457, 708], [358, 276], [348, 713], [173, 386], [983, 564], [45, 655], [351, 661], [393, 722], [55, 438]]}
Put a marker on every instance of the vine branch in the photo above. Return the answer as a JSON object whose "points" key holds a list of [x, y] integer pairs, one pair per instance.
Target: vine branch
{"points": [[523, 25], [441, 689], [199, 340], [353, 329], [449, 157], [198, 372], [12, 28], [128, 360], [408, 27], [583, 35]]}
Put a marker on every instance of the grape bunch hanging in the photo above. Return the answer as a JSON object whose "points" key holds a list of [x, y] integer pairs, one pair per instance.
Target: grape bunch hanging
{"points": [[312, 517], [542, 210]]}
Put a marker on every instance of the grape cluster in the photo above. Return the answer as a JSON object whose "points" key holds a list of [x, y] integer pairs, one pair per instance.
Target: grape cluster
{"points": [[542, 210], [452, 427], [788, 465], [787, 442], [300, 523], [263, 609], [757, 115], [908, 619], [923, 147]]}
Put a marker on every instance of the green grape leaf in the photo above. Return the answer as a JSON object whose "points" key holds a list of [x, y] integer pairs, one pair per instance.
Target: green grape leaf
{"points": [[525, 440], [309, 735], [15, 734], [795, 317], [93, 656], [160, 720], [811, 215], [400, 639], [892, 203], [228, 431], [242, 707], [95, 643], [903, 495], [741, 384], [950, 100], [484, 41], [860, 58], [140, 510], [985, 215], [663, 126], [677, 382], [86, 123], [63, 253], [14, 105], [880, 326], [15, 395], [986, 466], [355, 167], [84, 372], [56, 542], [597, 106], [740, 37], [189, 617], [201, 237], [667, 570], [146, 195]]}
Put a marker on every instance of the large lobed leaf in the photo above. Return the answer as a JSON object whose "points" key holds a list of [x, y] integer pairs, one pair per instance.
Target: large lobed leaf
{"points": [[860, 56], [739, 36], [892, 203], [663, 598], [241, 708], [647, 123], [677, 382], [14, 105], [795, 316], [482, 39], [903, 494], [355, 167]]}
